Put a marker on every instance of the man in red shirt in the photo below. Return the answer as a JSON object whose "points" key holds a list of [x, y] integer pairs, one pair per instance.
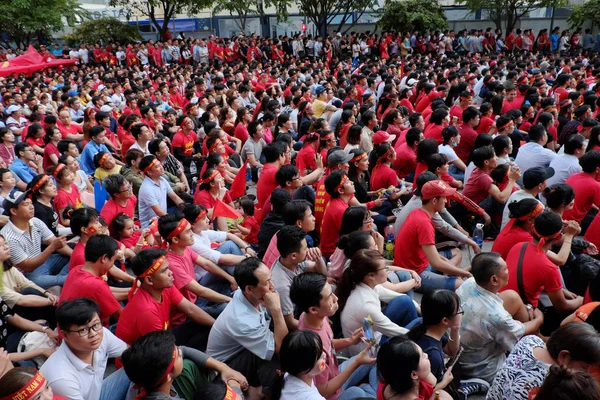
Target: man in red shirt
{"points": [[337, 160], [68, 129], [438, 121], [122, 199], [470, 120], [274, 154], [177, 232], [587, 191], [456, 111], [341, 189], [150, 305], [538, 272], [415, 243], [101, 252], [406, 156]]}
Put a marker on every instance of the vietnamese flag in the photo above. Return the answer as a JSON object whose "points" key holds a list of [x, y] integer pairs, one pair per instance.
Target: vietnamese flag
{"points": [[238, 186], [223, 210]]}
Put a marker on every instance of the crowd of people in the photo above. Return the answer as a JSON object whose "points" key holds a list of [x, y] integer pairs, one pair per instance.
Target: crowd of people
{"points": [[291, 219]]}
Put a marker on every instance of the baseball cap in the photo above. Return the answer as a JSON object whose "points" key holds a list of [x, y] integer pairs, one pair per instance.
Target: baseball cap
{"points": [[319, 90], [536, 175], [382, 136], [106, 108], [12, 109], [436, 189], [14, 198], [338, 157], [412, 82], [101, 88]]}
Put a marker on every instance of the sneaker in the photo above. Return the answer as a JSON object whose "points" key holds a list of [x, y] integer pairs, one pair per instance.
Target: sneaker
{"points": [[472, 386]]}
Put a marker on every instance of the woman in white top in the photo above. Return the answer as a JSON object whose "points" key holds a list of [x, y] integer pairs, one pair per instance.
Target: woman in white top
{"points": [[503, 148], [302, 358], [360, 295]]}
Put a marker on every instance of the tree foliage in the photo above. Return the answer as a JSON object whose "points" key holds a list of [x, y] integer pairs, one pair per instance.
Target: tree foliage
{"points": [[508, 11], [241, 9], [162, 9], [25, 21], [322, 12], [588, 11], [104, 29], [412, 15]]}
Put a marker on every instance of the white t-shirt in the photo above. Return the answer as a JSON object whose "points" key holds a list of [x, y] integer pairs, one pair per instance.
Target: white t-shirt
{"points": [[449, 152], [295, 389], [202, 244]]}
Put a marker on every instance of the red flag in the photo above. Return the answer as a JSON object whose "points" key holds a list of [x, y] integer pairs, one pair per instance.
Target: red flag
{"points": [[224, 210], [238, 186]]}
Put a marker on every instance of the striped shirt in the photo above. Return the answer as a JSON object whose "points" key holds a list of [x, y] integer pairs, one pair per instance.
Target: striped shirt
{"points": [[23, 244]]}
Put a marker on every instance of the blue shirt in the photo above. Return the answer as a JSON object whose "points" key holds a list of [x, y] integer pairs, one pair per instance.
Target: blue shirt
{"points": [[152, 194], [554, 40], [86, 159], [23, 171]]}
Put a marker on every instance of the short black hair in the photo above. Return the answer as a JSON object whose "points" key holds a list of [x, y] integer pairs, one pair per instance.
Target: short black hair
{"points": [[412, 136], [573, 143], [285, 174], [536, 132], [113, 183], [332, 181], [148, 358], [294, 211], [78, 312], [63, 145], [98, 246], [145, 162], [279, 198], [481, 155], [245, 272], [20, 147], [144, 259], [484, 266], [167, 224], [137, 129], [470, 113], [81, 218], [590, 161], [306, 288], [289, 239], [273, 151], [96, 130]]}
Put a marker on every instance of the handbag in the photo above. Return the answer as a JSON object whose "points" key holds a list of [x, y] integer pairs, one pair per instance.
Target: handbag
{"points": [[544, 302]]}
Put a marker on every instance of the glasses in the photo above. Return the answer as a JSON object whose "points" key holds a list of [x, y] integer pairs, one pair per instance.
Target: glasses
{"points": [[127, 189], [368, 221], [384, 268], [297, 178], [460, 312], [86, 331]]}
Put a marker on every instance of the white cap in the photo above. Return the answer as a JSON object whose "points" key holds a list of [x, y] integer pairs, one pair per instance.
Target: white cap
{"points": [[411, 82], [12, 109], [106, 108], [101, 88]]}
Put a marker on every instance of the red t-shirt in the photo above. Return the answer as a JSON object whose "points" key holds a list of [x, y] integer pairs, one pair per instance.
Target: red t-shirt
{"points": [[65, 199], [507, 239], [332, 222], [266, 183], [82, 283], [321, 200], [181, 140], [111, 209], [593, 232], [434, 131], [143, 314], [204, 198], [406, 160], [425, 391], [416, 231], [467, 142], [73, 129], [78, 256], [587, 193], [383, 177], [539, 273], [241, 132], [48, 150], [35, 142], [456, 111], [478, 186], [485, 124], [305, 159], [251, 223], [182, 267], [420, 168]]}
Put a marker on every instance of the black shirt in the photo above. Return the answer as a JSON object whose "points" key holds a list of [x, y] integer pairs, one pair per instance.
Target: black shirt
{"points": [[47, 215]]}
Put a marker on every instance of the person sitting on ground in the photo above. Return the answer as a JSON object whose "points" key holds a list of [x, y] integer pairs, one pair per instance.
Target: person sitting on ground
{"points": [[411, 379], [563, 383], [486, 340], [86, 346], [574, 345], [43, 267], [97, 137], [154, 362], [587, 191], [25, 383], [122, 199], [341, 190], [105, 165], [295, 258], [314, 297], [241, 337], [176, 231], [522, 213], [415, 244], [22, 164], [152, 301], [360, 295]]}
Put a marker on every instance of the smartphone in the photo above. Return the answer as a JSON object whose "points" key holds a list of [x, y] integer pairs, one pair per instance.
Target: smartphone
{"points": [[454, 359], [369, 336]]}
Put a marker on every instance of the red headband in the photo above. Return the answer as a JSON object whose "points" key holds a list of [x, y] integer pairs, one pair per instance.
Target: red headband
{"points": [[214, 145], [201, 215], [185, 121], [210, 177], [40, 183], [150, 166], [358, 157], [231, 394], [102, 159], [545, 239], [534, 213], [30, 389], [328, 136], [152, 269], [57, 170], [143, 392], [180, 227], [344, 180]]}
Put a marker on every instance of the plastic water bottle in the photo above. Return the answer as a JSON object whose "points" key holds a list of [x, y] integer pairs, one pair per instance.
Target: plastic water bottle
{"points": [[478, 235], [389, 243], [193, 168], [248, 172]]}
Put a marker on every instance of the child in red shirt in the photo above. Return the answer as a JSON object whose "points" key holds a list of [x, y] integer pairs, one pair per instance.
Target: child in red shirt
{"points": [[249, 227]]}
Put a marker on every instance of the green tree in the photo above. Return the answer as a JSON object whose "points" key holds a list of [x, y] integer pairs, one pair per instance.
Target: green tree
{"points": [[104, 29], [25, 21], [508, 11], [167, 9], [241, 9], [323, 12], [588, 11], [412, 15]]}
